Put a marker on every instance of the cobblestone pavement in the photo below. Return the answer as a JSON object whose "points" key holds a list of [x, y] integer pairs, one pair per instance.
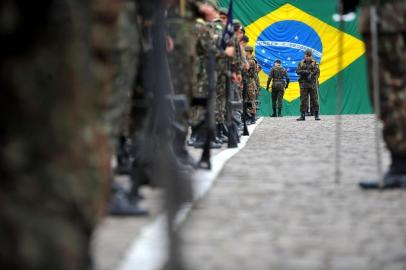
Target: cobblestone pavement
{"points": [[115, 235], [275, 205]]}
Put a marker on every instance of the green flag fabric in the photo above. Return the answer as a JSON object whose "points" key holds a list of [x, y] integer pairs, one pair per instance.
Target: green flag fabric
{"points": [[284, 29]]}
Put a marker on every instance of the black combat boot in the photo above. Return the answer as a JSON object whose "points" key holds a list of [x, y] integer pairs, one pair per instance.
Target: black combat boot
{"points": [[280, 112], [123, 203], [220, 133], [274, 112], [316, 115], [394, 178], [302, 117]]}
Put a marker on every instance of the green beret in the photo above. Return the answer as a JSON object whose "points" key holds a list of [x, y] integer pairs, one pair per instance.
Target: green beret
{"points": [[308, 52], [223, 11], [237, 21]]}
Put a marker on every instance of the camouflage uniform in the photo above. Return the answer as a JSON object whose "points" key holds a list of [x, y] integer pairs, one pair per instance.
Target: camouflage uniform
{"points": [[277, 75], [237, 66], [307, 71], [221, 67], [252, 86], [54, 151], [392, 61], [205, 42]]}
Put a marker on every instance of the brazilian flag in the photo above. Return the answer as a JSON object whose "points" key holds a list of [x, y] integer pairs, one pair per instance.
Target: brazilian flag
{"points": [[284, 29]]}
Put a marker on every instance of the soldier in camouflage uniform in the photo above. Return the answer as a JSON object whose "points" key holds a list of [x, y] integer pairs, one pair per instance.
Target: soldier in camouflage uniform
{"points": [[55, 79], [278, 75], [221, 66], [182, 62], [205, 43], [125, 118], [307, 70], [392, 82], [251, 83]]}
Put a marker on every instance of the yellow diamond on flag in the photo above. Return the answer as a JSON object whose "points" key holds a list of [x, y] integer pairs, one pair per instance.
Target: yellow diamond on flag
{"points": [[287, 32]]}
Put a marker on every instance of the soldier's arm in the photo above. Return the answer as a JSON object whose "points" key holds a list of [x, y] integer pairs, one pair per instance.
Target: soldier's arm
{"points": [[269, 79], [287, 78], [300, 71], [317, 71]]}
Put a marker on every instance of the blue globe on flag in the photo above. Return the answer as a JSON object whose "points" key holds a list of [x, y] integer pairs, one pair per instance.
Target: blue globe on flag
{"points": [[287, 41]]}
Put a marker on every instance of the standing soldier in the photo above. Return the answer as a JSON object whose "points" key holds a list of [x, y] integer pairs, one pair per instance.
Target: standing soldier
{"points": [[277, 75], [205, 44], [392, 82], [55, 160], [221, 67], [251, 83], [182, 61], [307, 71]]}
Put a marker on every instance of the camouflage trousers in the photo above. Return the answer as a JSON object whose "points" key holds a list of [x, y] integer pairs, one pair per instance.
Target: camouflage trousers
{"points": [[221, 100], [392, 57], [252, 98], [304, 99], [278, 91]]}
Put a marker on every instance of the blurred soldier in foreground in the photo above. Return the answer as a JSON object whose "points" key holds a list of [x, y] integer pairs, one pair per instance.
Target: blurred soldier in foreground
{"points": [[205, 45], [307, 70], [278, 75], [392, 81], [55, 79], [128, 111]]}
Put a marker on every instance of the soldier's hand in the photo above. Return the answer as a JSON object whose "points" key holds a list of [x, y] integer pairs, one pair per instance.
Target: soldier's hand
{"points": [[234, 77], [170, 45], [239, 78], [229, 51]]}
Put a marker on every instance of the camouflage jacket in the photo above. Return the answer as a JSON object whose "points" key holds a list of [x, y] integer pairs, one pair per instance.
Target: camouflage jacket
{"points": [[307, 71], [277, 75]]}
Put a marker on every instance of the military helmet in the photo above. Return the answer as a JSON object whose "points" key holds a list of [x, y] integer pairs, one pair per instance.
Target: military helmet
{"points": [[308, 52], [223, 11], [237, 21], [249, 49], [237, 25]]}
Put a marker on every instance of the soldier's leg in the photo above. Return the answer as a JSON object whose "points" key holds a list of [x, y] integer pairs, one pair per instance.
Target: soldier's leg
{"points": [[274, 95], [280, 101], [392, 57], [314, 101], [252, 105], [221, 108], [303, 103]]}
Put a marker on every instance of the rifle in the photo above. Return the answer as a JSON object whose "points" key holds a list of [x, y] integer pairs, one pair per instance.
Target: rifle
{"points": [[231, 106], [159, 128]]}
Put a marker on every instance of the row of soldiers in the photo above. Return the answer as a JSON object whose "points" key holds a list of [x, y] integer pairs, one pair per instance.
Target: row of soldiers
{"points": [[83, 81], [192, 39], [236, 76]]}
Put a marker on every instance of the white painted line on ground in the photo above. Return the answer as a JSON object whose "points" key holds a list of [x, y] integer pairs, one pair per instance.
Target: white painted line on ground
{"points": [[149, 249]]}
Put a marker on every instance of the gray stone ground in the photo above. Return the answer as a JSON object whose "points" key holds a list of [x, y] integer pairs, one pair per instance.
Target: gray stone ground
{"points": [[115, 235], [275, 205]]}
